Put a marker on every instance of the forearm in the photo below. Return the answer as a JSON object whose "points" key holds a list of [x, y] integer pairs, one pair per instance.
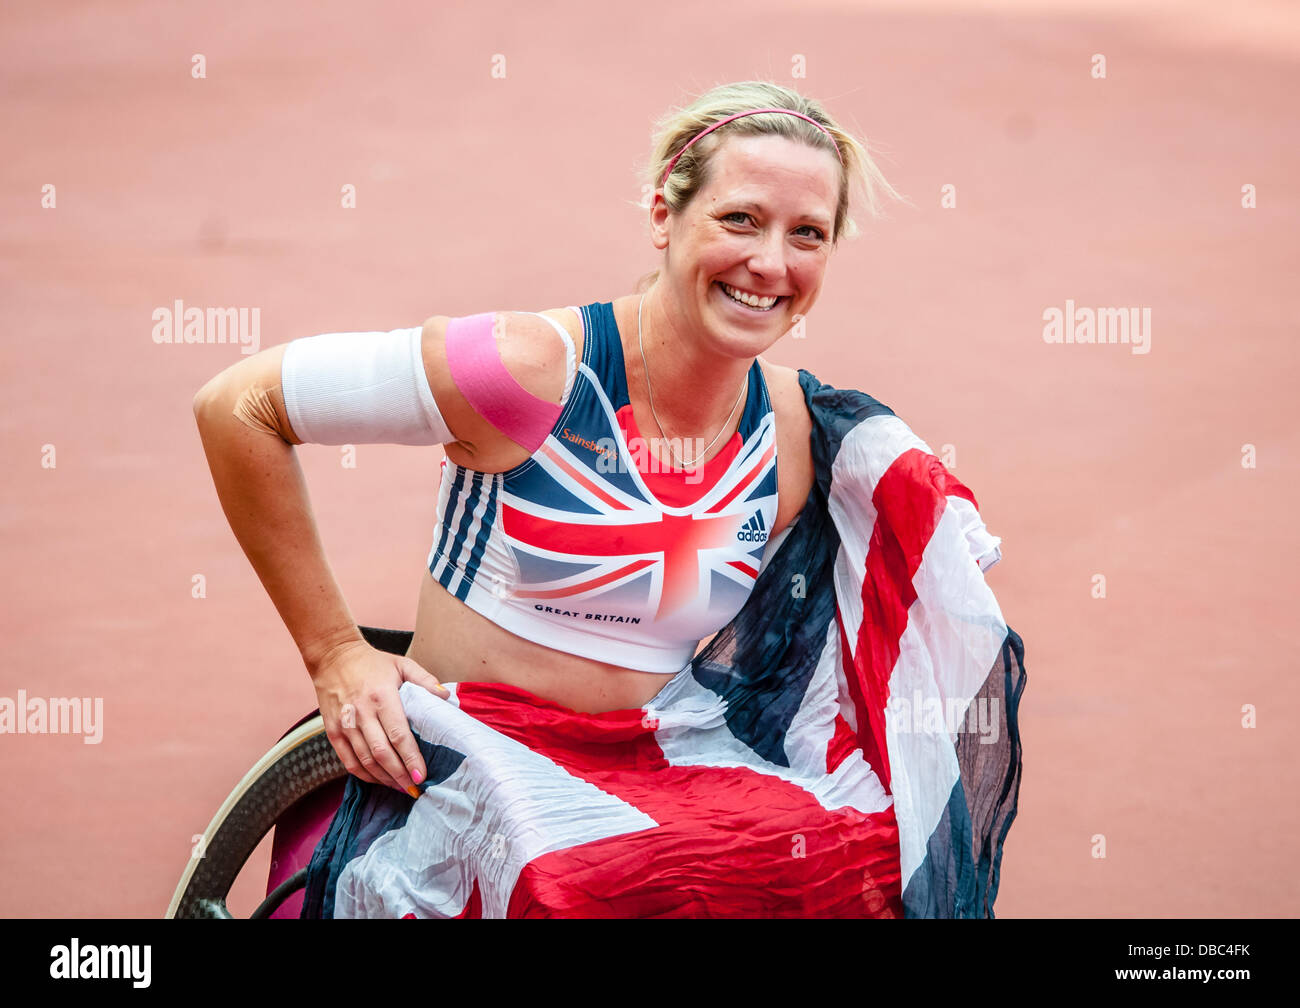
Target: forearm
{"points": [[264, 496]]}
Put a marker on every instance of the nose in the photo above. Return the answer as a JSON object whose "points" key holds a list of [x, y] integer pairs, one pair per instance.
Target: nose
{"points": [[767, 258]]}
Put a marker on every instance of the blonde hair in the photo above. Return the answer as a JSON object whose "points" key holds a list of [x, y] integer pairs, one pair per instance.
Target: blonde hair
{"points": [[691, 173]]}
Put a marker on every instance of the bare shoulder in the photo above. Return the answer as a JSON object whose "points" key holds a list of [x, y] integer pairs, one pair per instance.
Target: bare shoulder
{"points": [[535, 356], [787, 398], [793, 439], [569, 320]]}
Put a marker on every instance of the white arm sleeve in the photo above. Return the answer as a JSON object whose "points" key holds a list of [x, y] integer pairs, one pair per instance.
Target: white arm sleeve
{"points": [[361, 388]]}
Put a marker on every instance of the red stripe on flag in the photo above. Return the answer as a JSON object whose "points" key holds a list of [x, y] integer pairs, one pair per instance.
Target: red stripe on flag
{"points": [[842, 744], [910, 499], [871, 742], [748, 479], [582, 480], [604, 579], [731, 841], [680, 538]]}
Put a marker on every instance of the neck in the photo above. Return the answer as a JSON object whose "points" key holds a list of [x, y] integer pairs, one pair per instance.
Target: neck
{"points": [[695, 390]]}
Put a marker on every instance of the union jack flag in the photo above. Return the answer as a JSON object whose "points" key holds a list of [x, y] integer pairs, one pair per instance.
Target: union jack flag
{"points": [[593, 530], [847, 746], [680, 551]]}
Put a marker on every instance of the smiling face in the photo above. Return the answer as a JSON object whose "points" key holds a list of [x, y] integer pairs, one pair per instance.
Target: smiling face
{"points": [[760, 228]]}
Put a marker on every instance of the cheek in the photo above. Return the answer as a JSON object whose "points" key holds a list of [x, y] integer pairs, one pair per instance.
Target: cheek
{"points": [[808, 269], [722, 254]]}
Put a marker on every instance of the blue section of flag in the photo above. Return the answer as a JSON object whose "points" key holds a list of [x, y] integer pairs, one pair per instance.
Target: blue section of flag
{"points": [[536, 570], [367, 812], [536, 485]]}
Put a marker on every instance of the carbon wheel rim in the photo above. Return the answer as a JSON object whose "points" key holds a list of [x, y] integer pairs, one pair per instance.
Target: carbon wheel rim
{"points": [[293, 768]]}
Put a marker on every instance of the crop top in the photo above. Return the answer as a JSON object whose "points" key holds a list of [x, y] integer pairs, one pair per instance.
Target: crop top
{"points": [[594, 547]]}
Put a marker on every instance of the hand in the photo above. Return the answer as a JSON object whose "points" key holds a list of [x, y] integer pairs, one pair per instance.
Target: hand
{"points": [[356, 687]]}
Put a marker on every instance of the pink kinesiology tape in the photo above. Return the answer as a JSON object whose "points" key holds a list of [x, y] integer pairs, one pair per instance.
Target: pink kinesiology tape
{"points": [[478, 371]]}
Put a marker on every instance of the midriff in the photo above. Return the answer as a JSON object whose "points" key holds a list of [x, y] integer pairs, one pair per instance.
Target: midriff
{"points": [[457, 644]]}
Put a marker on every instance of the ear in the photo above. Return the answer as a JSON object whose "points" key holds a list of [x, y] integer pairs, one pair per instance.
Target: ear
{"points": [[659, 217]]}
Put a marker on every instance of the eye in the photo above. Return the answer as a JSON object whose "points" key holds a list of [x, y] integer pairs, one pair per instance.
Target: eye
{"points": [[817, 232]]}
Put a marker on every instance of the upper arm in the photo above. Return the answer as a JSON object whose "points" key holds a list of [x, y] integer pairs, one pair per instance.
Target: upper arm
{"points": [[535, 357], [347, 389]]}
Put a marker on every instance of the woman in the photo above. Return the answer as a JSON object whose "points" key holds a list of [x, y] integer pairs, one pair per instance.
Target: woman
{"points": [[612, 497], [749, 211]]}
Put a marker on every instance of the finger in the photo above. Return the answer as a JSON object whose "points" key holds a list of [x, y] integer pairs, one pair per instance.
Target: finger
{"points": [[391, 742], [387, 762], [392, 719], [347, 756], [346, 724], [413, 673], [363, 738]]}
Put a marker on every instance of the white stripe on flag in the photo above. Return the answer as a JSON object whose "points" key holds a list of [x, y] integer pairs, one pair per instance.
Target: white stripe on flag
{"points": [[953, 637], [693, 732], [504, 806], [865, 455]]}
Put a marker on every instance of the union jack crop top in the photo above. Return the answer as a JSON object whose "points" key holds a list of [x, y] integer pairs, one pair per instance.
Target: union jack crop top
{"points": [[593, 547]]}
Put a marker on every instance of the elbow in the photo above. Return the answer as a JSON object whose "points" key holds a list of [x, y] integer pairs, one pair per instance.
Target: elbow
{"points": [[202, 403], [226, 399], [206, 399]]}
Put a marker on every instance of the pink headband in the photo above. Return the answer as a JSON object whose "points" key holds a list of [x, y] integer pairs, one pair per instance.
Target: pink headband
{"points": [[740, 115]]}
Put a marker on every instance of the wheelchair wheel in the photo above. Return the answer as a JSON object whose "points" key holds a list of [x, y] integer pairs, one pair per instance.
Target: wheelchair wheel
{"points": [[299, 764]]}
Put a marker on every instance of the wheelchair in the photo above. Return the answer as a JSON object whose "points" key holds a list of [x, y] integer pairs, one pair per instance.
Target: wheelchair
{"points": [[294, 789]]}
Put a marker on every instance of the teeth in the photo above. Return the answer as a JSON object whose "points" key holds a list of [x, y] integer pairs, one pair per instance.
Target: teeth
{"points": [[753, 300]]}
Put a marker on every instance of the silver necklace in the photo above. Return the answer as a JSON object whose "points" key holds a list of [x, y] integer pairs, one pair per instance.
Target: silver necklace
{"points": [[681, 462]]}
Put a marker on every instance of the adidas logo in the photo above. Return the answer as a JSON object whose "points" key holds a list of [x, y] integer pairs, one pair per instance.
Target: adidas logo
{"points": [[753, 530]]}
